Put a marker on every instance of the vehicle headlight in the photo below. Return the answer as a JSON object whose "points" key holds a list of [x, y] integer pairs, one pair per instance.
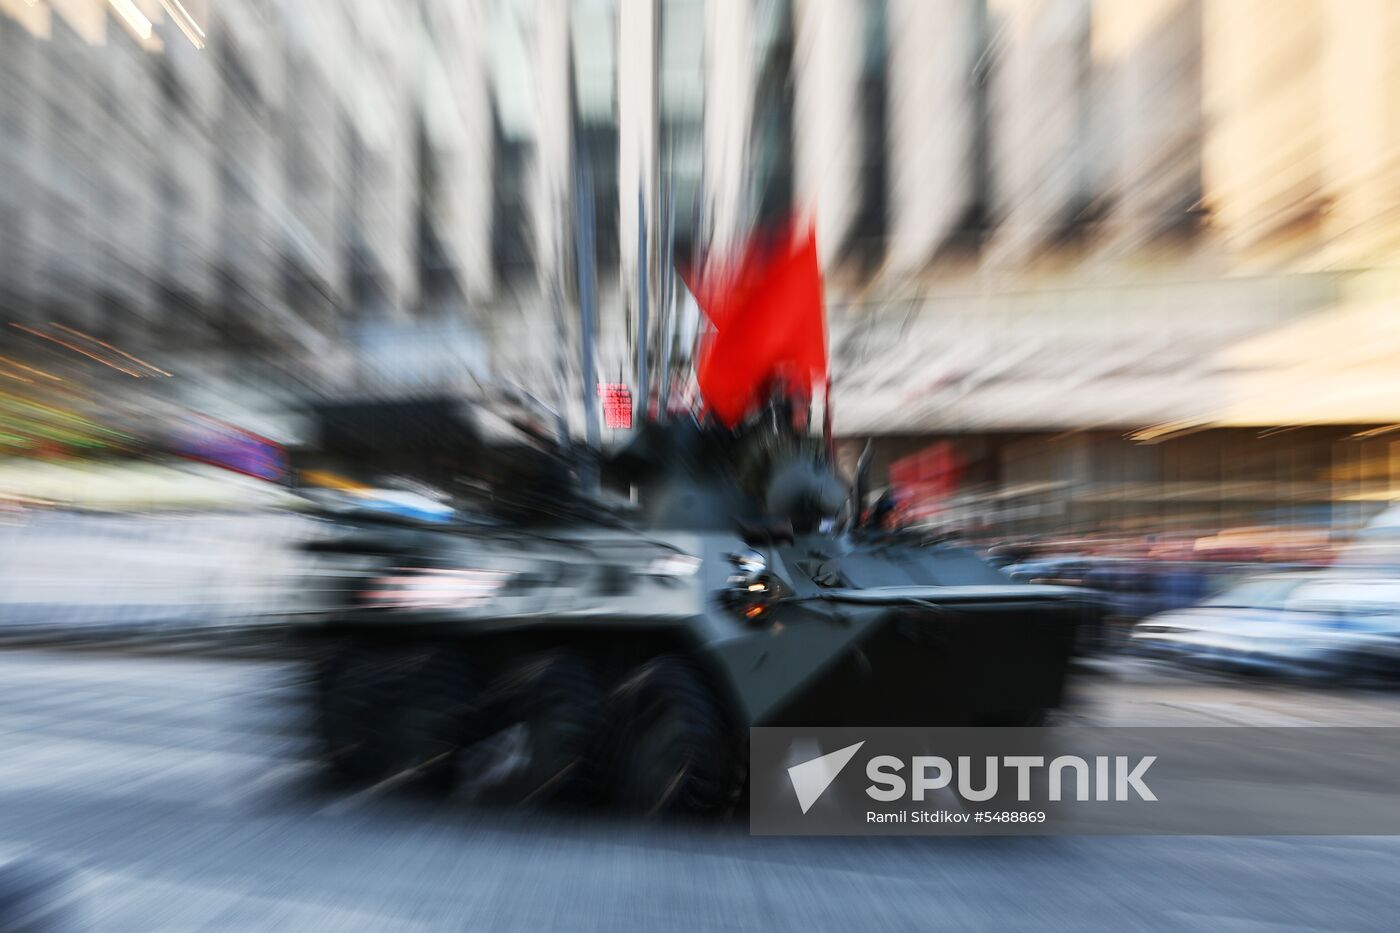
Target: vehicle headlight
{"points": [[751, 589]]}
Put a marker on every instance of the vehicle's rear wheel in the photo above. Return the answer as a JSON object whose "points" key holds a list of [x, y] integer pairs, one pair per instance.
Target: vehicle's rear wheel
{"points": [[546, 714], [387, 710], [676, 753]]}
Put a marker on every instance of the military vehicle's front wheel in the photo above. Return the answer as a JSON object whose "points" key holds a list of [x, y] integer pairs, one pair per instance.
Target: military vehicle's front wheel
{"points": [[677, 753]]}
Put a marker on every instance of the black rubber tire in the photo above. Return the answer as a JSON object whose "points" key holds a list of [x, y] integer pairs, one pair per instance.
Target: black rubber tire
{"points": [[385, 710], [559, 698], [676, 752]]}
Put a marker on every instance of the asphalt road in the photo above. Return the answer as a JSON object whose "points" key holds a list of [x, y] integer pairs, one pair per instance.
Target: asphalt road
{"points": [[172, 796]]}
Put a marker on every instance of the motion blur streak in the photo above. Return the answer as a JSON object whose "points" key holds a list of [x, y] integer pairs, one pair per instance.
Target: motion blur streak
{"points": [[78, 349], [105, 344], [295, 293], [133, 16]]}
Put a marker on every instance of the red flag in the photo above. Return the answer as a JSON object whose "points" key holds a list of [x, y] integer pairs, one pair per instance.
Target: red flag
{"points": [[769, 327]]}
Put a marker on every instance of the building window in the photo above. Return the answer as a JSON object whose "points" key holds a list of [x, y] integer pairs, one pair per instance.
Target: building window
{"points": [[595, 117], [866, 244], [772, 179], [514, 145], [682, 104]]}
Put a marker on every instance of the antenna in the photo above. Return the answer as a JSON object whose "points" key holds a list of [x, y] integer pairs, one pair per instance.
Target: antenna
{"points": [[643, 390], [587, 307], [668, 289]]}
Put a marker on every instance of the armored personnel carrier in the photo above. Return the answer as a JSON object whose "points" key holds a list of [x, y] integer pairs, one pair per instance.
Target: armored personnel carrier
{"points": [[558, 643], [583, 651]]}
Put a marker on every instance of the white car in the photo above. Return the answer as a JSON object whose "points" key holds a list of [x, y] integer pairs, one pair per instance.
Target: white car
{"points": [[1312, 625]]}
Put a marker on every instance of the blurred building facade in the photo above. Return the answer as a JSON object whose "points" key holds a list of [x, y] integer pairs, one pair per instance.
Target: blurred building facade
{"points": [[1083, 239], [244, 186], [1163, 232]]}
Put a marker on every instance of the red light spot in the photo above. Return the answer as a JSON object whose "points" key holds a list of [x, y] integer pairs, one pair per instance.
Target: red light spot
{"points": [[617, 405]]}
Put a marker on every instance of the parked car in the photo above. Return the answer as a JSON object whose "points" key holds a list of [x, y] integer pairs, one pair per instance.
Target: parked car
{"points": [[1310, 625]]}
